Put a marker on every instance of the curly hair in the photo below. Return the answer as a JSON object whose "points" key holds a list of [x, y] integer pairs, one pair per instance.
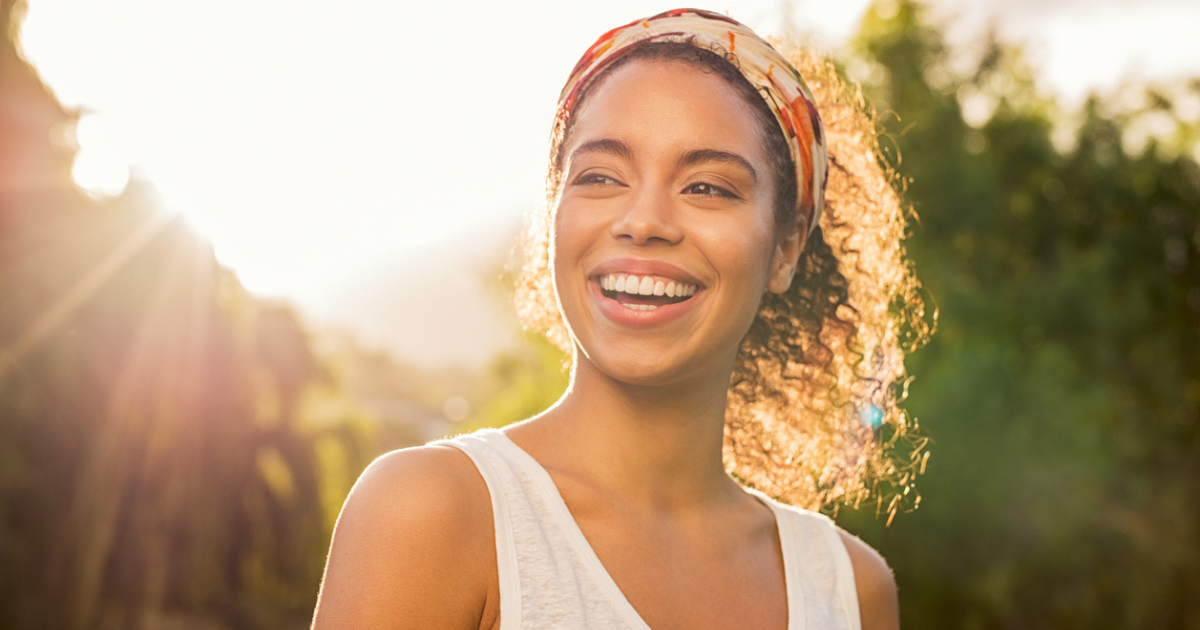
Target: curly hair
{"points": [[813, 415]]}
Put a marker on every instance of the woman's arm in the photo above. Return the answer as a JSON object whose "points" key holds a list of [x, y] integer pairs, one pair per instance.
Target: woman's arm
{"points": [[413, 547], [878, 606]]}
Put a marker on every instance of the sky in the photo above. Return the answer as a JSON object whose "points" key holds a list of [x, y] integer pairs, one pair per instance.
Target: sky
{"points": [[320, 146]]}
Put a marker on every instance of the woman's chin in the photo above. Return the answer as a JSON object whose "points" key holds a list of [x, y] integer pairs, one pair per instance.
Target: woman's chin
{"points": [[648, 368]]}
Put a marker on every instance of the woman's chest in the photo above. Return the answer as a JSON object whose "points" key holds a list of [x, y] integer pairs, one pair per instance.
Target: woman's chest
{"points": [[723, 575]]}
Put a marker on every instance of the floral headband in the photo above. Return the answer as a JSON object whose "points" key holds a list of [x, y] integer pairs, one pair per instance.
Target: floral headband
{"points": [[769, 72]]}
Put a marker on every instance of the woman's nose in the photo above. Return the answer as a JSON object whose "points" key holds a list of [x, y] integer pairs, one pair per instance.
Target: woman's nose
{"points": [[649, 217]]}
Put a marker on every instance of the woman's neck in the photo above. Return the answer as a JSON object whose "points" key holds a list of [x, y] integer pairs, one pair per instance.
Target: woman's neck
{"points": [[660, 445]]}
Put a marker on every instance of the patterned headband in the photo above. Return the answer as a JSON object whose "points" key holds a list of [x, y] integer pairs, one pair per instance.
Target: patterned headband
{"points": [[769, 72]]}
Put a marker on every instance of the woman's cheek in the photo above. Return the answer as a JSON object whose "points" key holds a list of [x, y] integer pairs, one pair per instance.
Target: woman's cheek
{"points": [[746, 253]]}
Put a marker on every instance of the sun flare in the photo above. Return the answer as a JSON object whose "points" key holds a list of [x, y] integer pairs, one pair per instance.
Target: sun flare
{"points": [[100, 166]]}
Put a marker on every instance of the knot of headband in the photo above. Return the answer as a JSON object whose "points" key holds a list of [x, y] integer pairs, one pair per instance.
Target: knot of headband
{"points": [[769, 72]]}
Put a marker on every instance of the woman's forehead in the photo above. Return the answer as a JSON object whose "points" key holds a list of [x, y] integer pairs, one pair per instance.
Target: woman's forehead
{"points": [[666, 101]]}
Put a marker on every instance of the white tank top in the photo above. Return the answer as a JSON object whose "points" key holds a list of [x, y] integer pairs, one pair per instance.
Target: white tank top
{"points": [[550, 578]]}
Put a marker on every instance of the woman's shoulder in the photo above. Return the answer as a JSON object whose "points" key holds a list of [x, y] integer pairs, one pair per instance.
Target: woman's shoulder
{"points": [[417, 520], [432, 490], [435, 482], [875, 586]]}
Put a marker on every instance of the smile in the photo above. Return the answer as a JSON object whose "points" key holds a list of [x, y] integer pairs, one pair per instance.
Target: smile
{"points": [[644, 293]]}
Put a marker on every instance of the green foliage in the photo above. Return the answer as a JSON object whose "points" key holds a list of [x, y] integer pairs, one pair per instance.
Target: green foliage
{"points": [[523, 383], [156, 461], [1061, 391]]}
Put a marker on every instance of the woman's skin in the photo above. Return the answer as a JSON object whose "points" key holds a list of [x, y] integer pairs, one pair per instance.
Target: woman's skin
{"points": [[666, 175]]}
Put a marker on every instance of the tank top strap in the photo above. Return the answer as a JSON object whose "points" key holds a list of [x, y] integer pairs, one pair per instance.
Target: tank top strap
{"points": [[499, 481], [819, 569], [549, 576]]}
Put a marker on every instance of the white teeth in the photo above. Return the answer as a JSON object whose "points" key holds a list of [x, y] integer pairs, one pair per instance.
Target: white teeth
{"points": [[631, 285], [640, 307], [645, 285]]}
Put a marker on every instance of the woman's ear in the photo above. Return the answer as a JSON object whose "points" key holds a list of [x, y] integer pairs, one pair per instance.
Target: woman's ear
{"points": [[787, 256]]}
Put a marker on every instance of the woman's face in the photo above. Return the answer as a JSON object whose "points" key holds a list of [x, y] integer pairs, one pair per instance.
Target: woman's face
{"points": [[664, 234]]}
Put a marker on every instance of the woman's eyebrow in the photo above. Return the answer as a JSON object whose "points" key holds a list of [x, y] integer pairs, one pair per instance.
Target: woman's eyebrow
{"points": [[700, 156], [603, 145]]}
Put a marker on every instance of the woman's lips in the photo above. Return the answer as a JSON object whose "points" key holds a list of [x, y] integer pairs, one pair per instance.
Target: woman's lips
{"points": [[640, 311], [656, 269], [643, 293]]}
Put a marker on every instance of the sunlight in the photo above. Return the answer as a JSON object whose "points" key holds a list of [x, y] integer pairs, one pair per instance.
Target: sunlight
{"points": [[74, 297], [100, 166], [308, 165]]}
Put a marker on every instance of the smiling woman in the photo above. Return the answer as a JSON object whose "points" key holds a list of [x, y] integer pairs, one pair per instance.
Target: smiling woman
{"points": [[734, 316]]}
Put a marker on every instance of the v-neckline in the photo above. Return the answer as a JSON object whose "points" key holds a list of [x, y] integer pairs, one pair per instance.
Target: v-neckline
{"points": [[588, 555]]}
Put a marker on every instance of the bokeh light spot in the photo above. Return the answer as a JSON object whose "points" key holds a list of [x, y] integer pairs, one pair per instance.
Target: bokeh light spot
{"points": [[871, 416], [456, 409]]}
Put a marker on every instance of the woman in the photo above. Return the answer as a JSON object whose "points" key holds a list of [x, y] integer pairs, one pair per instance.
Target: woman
{"points": [[712, 314]]}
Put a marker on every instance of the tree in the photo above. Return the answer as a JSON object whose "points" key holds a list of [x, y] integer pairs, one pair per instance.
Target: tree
{"points": [[158, 460], [1062, 391]]}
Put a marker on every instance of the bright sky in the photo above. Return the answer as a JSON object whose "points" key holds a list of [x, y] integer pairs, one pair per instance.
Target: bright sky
{"points": [[313, 140]]}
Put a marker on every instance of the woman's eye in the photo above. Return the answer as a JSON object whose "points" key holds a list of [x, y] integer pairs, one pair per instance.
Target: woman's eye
{"points": [[596, 178], [709, 190]]}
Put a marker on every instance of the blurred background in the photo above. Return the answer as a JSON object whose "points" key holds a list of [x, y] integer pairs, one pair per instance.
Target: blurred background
{"points": [[245, 248]]}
